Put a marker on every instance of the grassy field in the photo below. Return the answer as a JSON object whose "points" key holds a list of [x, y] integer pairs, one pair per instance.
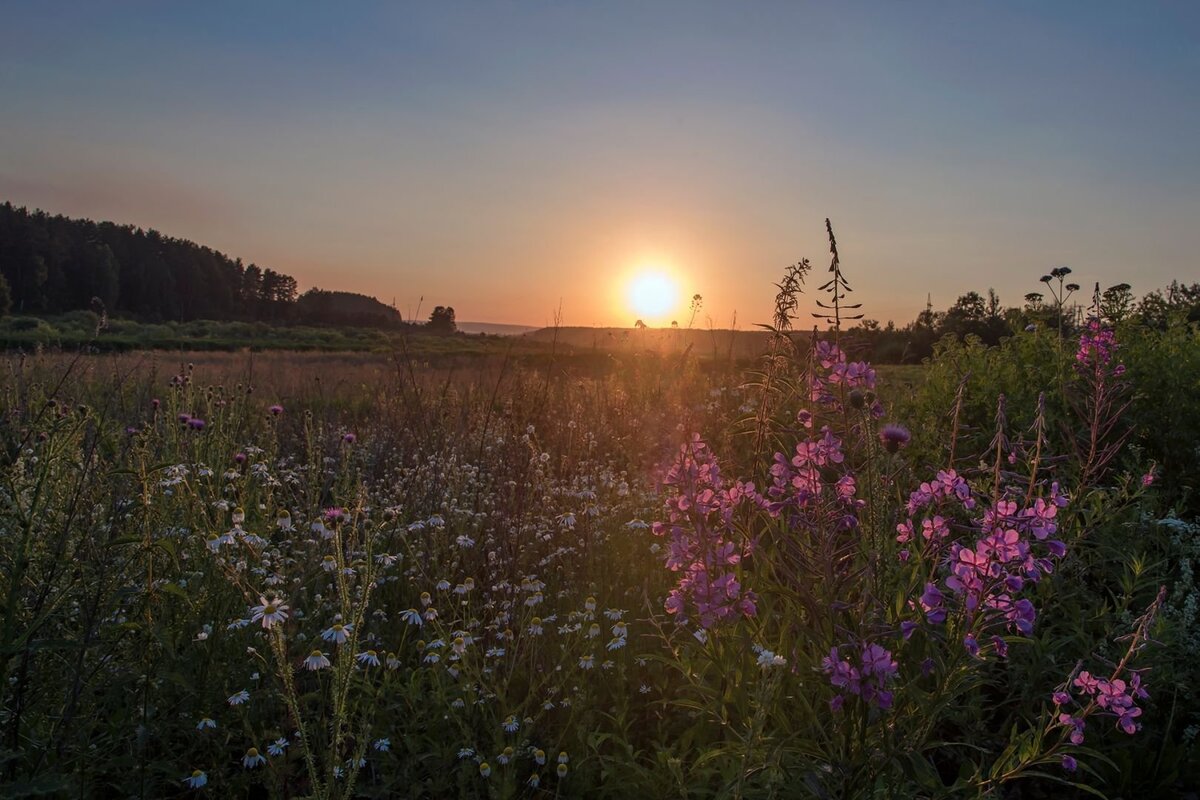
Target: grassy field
{"points": [[504, 574]]}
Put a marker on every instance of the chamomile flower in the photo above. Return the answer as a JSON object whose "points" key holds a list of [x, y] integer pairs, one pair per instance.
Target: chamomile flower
{"points": [[412, 617], [534, 781], [593, 631], [511, 724], [253, 758], [589, 604], [535, 626], [587, 662], [368, 658], [196, 780], [465, 752], [426, 599], [316, 660], [382, 745], [443, 585], [329, 563], [277, 747], [616, 643], [337, 633], [563, 758], [562, 770], [238, 698], [485, 769], [269, 612], [539, 757], [206, 723], [505, 756]]}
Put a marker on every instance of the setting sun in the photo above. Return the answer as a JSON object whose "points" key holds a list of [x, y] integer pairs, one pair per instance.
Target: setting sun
{"points": [[653, 295]]}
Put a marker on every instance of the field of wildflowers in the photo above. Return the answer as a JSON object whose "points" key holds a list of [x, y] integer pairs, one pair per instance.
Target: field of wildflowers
{"points": [[660, 578]]}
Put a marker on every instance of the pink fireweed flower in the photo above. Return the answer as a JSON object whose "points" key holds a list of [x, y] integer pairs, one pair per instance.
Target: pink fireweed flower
{"points": [[875, 670], [699, 512], [1150, 477]]}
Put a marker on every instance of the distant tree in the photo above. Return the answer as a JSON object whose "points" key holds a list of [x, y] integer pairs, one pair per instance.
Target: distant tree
{"points": [[1116, 302], [442, 320], [5, 296]]}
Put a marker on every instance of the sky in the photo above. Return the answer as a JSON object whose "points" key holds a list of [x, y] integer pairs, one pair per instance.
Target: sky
{"points": [[522, 160]]}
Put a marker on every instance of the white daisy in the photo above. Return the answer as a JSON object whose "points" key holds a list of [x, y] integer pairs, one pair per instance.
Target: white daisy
{"points": [[253, 758], [196, 780], [270, 612], [238, 698], [277, 747], [337, 633], [206, 722], [368, 658]]}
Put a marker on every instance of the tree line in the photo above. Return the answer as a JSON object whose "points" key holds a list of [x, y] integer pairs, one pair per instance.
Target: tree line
{"points": [[1062, 305], [51, 264]]}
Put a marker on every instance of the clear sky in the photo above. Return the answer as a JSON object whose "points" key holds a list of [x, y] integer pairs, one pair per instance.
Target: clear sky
{"points": [[504, 158]]}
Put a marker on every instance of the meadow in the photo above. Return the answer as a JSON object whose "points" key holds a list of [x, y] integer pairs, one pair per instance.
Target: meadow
{"points": [[339, 575]]}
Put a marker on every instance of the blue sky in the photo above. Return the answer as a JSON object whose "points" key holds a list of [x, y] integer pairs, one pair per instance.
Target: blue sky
{"points": [[506, 158]]}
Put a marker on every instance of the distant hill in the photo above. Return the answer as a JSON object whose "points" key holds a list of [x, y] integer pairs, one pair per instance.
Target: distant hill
{"points": [[722, 343], [495, 328]]}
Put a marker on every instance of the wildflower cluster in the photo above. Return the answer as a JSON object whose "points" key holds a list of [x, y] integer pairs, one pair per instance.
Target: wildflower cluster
{"points": [[1097, 351], [837, 377], [1013, 545], [700, 529], [868, 678]]}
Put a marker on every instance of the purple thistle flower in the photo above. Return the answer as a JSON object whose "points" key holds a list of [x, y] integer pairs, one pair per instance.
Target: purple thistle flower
{"points": [[894, 437], [349, 438], [276, 410], [196, 424]]}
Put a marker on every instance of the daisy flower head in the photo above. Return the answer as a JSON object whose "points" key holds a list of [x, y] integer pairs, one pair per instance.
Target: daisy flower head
{"points": [[485, 769], [238, 698], [277, 747], [511, 724], [382, 745], [316, 660], [253, 758], [206, 723], [269, 612], [196, 780], [368, 658], [337, 633]]}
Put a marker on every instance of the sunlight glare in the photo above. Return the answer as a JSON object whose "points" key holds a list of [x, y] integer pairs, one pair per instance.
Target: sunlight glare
{"points": [[653, 295]]}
